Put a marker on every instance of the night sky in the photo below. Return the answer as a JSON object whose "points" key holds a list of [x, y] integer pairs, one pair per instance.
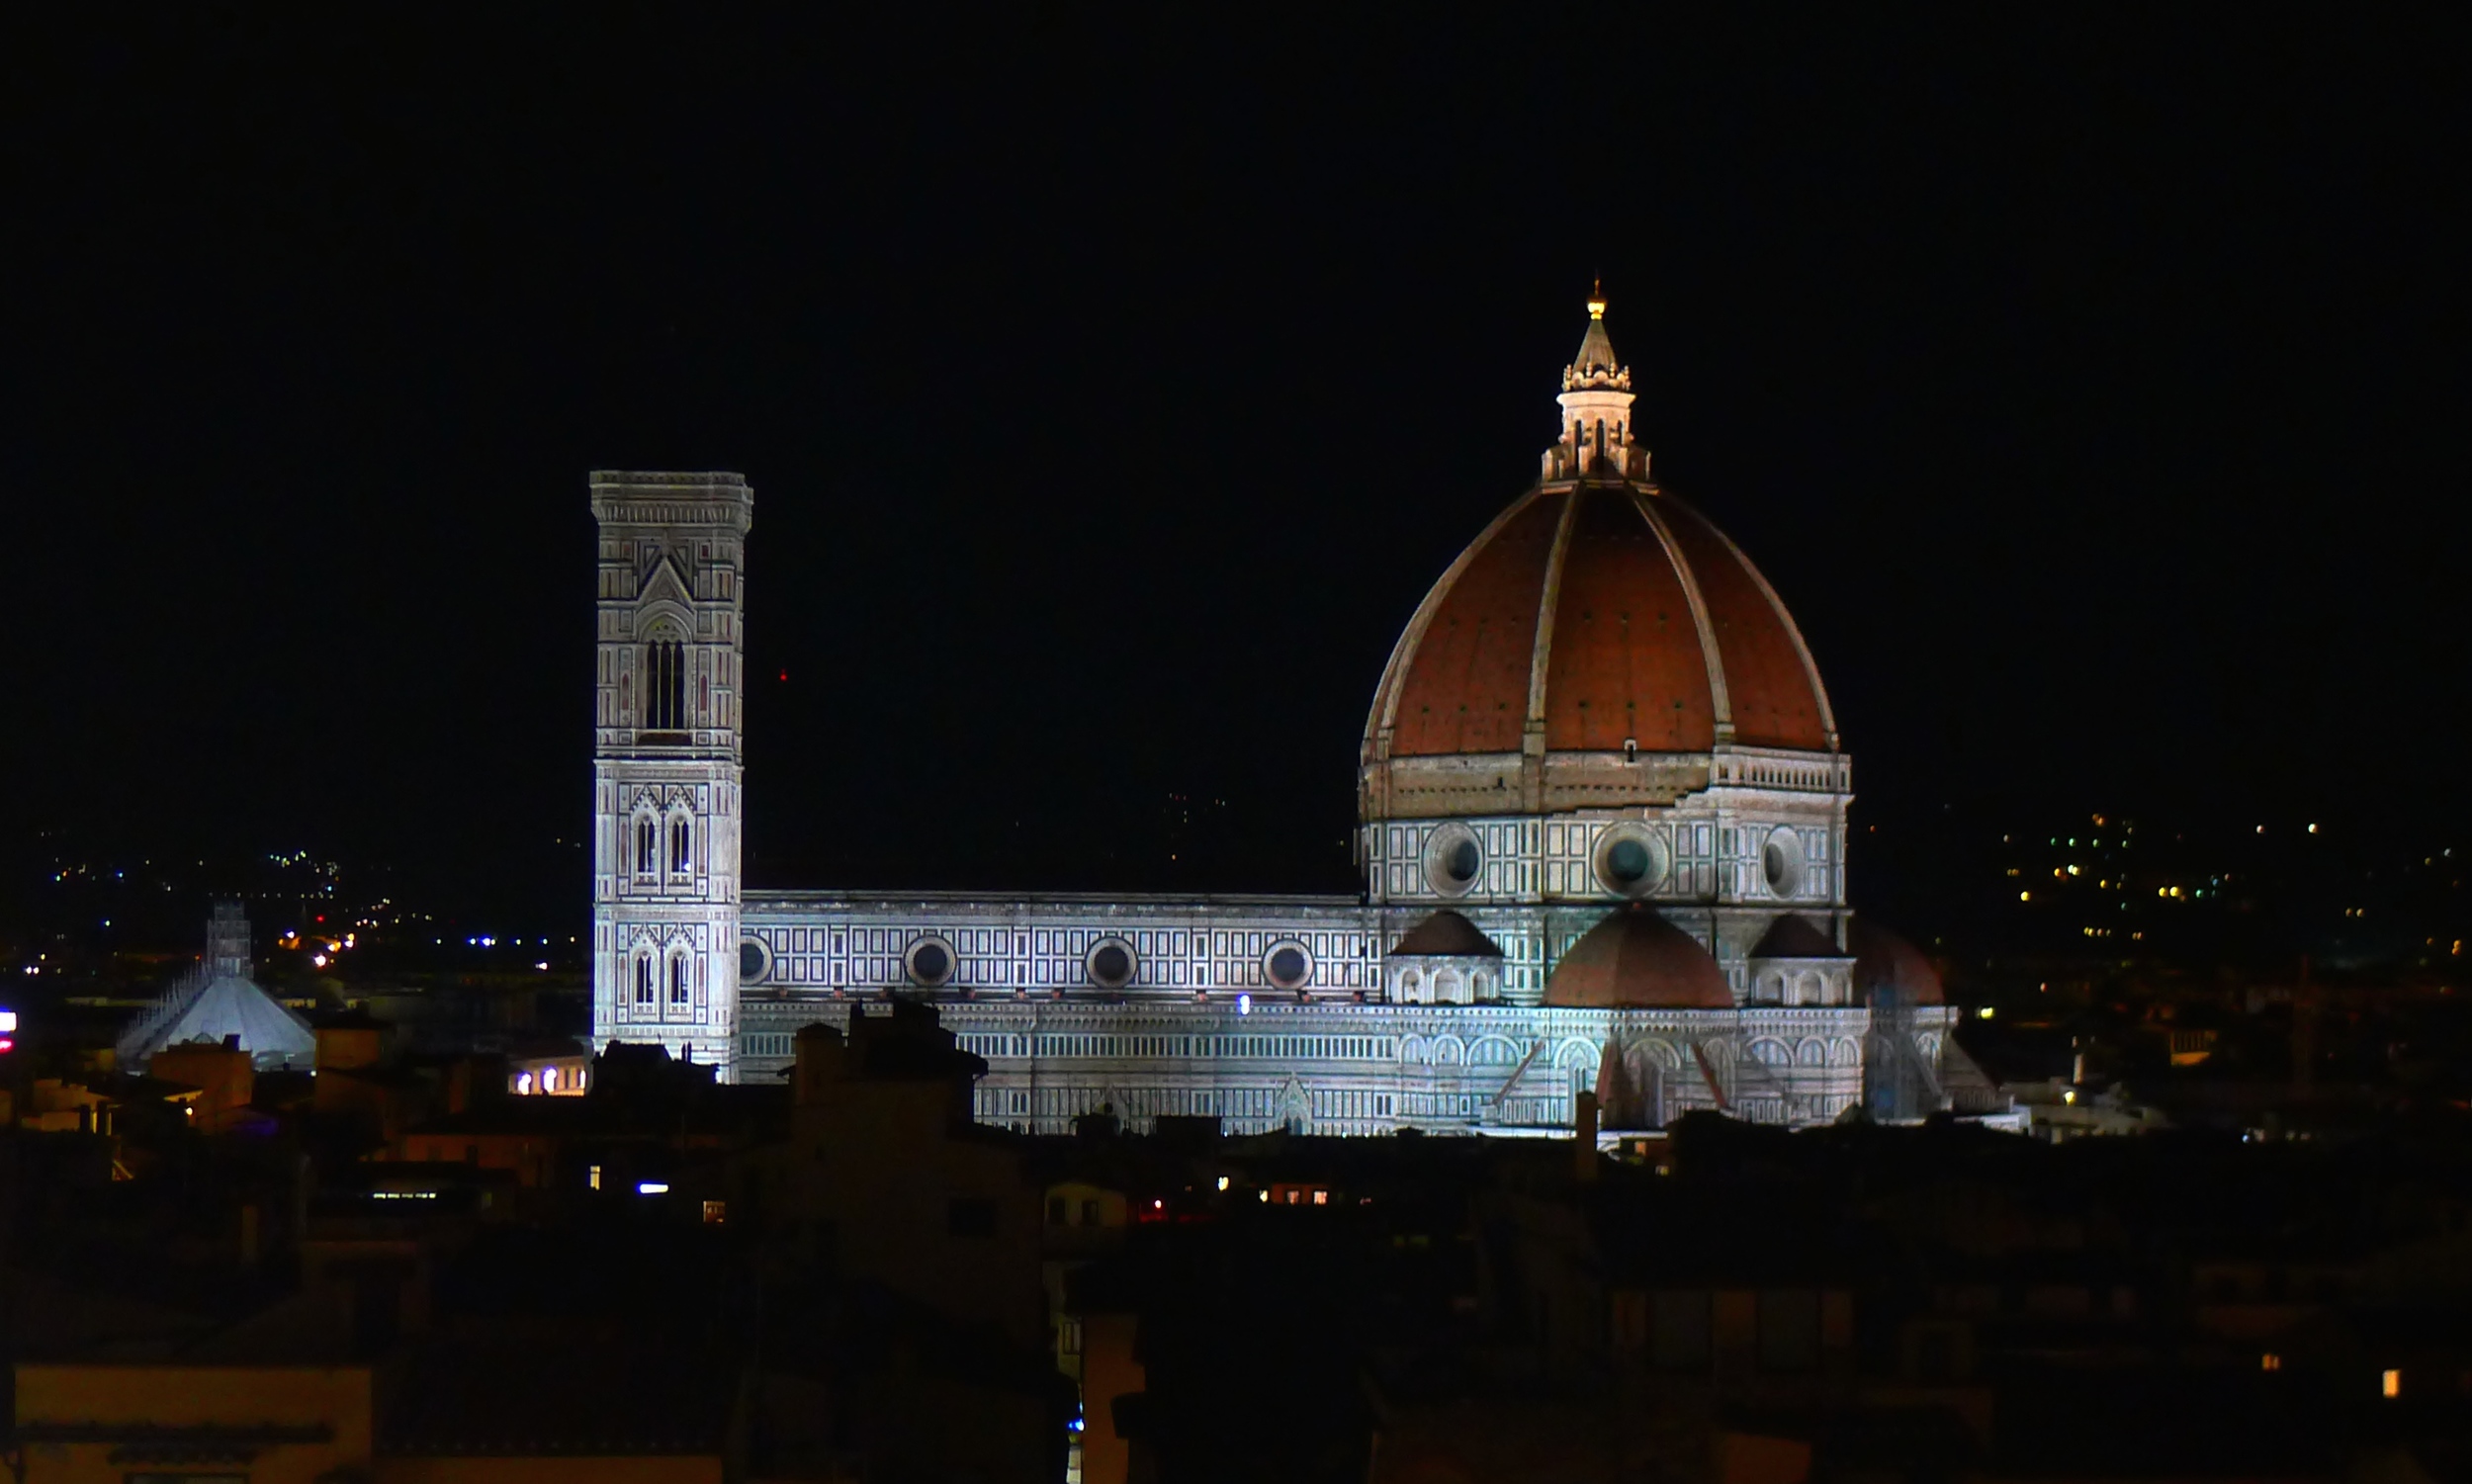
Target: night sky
{"points": [[2091, 385]]}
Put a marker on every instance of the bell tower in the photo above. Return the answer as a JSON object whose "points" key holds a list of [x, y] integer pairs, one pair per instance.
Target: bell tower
{"points": [[667, 762]]}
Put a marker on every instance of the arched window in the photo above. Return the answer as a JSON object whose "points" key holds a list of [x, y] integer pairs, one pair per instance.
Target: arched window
{"points": [[647, 845], [677, 979], [643, 980], [681, 845], [664, 682]]}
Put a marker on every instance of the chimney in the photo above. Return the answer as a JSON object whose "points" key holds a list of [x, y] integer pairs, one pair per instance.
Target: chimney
{"points": [[1584, 1137]]}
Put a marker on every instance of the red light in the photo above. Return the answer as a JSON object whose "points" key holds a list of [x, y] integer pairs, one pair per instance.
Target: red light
{"points": [[785, 675], [6, 1044]]}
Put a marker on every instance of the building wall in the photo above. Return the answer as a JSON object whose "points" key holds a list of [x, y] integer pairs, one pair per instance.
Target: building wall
{"points": [[1344, 1067]]}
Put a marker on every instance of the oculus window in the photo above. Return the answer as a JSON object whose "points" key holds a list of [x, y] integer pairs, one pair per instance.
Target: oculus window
{"points": [[1632, 860], [1453, 860], [929, 962]]}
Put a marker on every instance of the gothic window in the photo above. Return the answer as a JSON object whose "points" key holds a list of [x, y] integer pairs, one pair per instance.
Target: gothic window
{"points": [[664, 682], [681, 845], [677, 979], [643, 980], [647, 845]]}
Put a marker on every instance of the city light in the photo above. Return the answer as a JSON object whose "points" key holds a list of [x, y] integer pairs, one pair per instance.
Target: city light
{"points": [[1222, 1182], [651, 1188]]}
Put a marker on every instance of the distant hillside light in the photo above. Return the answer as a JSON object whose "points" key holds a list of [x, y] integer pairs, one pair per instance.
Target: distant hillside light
{"points": [[2390, 1383], [651, 1188]]}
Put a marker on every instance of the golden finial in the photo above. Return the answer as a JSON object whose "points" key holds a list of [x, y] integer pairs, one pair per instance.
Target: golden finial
{"points": [[1596, 300]]}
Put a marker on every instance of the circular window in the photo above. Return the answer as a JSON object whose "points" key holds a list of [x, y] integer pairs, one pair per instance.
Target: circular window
{"points": [[1110, 963], [1288, 965], [1780, 863], [752, 961], [1453, 860], [1631, 860], [929, 962]]}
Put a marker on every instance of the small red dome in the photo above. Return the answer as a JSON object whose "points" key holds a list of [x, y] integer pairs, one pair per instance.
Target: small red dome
{"points": [[1885, 962], [1636, 960], [1447, 934]]}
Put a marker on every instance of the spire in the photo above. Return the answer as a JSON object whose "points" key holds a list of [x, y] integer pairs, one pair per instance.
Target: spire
{"points": [[1595, 367], [1596, 403]]}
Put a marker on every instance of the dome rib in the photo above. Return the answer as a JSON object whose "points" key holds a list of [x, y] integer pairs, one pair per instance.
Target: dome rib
{"points": [[1793, 631], [1711, 659], [1776, 700], [1540, 659]]}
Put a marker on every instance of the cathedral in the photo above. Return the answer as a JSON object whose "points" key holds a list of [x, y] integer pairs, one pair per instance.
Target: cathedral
{"points": [[1601, 828]]}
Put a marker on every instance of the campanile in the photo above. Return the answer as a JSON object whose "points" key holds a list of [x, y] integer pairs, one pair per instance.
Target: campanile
{"points": [[667, 762]]}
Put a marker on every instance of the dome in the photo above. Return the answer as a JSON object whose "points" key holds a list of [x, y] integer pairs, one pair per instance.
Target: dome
{"points": [[1601, 614], [1636, 960], [1447, 934], [1794, 935], [1884, 961]]}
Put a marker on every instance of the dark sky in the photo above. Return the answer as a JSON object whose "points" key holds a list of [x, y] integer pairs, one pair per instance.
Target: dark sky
{"points": [[2090, 384]]}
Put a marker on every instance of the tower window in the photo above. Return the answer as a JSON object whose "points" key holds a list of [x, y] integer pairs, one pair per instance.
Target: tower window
{"points": [[681, 845], [665, 685], [647, 847], [643, 981], [677, 979]]}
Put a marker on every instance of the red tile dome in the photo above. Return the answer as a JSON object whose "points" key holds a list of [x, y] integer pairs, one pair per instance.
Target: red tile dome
{"points": [[1601, 612], [1636, 960], [1612, 613]]}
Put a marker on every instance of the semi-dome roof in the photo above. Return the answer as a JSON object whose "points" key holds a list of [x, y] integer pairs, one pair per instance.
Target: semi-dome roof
{"points": [[1447, 934], [1636, 960], [1884, 961], [1601, 611], [1794, 935]]}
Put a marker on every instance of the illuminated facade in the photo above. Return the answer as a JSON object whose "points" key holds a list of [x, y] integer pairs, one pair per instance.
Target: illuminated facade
{"points": [[1601, 806]]}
